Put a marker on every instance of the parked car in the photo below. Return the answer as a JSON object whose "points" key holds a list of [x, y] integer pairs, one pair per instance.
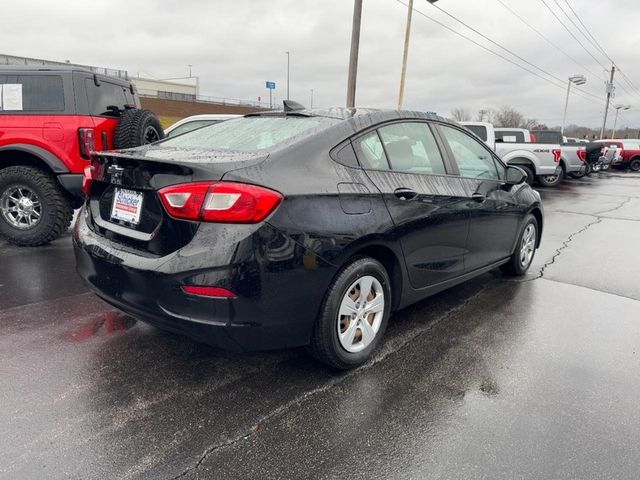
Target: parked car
{"points": [[628, 154], [51, 119], [540, 162], [196, 121], [573, 154], [301, 227]]}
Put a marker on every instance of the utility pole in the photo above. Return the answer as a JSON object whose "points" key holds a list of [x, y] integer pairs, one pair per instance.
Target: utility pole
{"points": [[405, 54], [353, 55], [189, 69], [609, 94], [311, 106], [288, 58]]}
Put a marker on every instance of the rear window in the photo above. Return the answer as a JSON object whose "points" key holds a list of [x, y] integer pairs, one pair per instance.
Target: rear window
{"points": [[479, 130], [189, 126], [34, 93], [543, 136], [510, 136], [107, 95], [250, 134]]}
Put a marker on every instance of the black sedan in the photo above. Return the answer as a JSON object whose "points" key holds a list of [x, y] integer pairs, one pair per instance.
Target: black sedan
{"points": [[302, 227]]}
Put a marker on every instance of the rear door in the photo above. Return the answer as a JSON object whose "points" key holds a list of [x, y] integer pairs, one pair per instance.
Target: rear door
{"points": [[494, 213], [426, 203]]}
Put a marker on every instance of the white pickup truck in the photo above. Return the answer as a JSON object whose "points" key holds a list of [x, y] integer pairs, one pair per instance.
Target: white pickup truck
{"points": [[539, 161]]}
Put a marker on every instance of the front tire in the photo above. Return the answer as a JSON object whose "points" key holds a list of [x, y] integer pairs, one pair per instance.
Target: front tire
{"points": [[33, 208], [353, 316], [525, 250]]}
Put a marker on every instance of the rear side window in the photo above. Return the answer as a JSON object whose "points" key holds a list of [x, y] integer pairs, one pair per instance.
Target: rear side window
{"points": [[473, 159], [38, 93], [106, 98], [412, 148], [510, 136], [372, 152], [250, 134]]}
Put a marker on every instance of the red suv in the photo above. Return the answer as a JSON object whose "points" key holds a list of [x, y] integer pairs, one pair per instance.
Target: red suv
{"points": [[51, 119], [628, 153]]}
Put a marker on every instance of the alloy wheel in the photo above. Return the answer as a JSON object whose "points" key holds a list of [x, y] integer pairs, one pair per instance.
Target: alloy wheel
{"points": [[21, 207], [527, 245], [360, 314]]}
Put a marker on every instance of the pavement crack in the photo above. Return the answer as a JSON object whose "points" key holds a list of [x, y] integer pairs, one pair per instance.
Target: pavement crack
{"points": [[614, 208], [389, 348], [565, 245]]}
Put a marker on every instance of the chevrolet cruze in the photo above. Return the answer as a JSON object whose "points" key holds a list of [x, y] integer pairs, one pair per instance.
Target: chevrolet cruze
{"points": [[301, 227]]}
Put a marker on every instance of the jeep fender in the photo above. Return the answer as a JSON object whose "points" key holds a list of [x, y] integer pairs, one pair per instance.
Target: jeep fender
{"points": [[53, 162]]}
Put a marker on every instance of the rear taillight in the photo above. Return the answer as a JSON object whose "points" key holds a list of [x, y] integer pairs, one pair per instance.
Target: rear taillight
{"points": [[87, 143], [87, 180], [582, 154], [557, 153], [220, 202], [532, 138]]}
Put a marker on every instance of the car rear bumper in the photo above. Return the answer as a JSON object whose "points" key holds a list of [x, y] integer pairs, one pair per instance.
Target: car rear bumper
{"points": [[72, 184], [149, 288]]}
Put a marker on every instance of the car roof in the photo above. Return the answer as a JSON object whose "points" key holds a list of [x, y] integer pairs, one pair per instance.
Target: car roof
{"points": [[362, 117]]}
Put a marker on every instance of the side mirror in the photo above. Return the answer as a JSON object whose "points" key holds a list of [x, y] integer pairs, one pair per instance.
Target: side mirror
{"points": [[515, 175]]}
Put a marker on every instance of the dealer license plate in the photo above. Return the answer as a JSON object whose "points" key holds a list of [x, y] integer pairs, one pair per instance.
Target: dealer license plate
{"points": [[127, 206]]}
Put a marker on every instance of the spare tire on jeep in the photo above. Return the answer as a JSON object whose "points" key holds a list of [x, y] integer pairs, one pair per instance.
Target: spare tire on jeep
{"points": [[137, 127]]}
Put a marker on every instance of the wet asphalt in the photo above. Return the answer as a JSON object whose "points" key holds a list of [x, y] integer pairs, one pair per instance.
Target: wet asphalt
{"points": [[496, 378]]}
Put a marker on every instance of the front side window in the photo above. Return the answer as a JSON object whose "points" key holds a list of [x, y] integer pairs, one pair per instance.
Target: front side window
{"points": [[473, 158], [412, 148]]}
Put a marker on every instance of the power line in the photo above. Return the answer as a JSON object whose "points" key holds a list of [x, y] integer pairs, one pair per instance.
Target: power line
{"points": [[571, 33], [562, 81], [598, 46], [493, 52], [548, 40]]}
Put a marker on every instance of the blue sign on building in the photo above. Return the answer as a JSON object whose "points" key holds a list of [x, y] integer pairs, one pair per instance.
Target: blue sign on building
{"points": [[271, 85]]}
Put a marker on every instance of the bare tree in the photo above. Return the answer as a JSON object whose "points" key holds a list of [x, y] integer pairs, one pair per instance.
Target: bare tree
{"points": [[460, 115], [532, 124], [508, 117]]}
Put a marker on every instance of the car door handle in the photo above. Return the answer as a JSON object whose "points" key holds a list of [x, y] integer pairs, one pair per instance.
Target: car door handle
{"points": [[479, 197], [405, 193]]}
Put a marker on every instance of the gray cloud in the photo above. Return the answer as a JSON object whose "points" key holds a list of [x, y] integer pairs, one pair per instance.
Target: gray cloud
{"points": [[236, 45]]}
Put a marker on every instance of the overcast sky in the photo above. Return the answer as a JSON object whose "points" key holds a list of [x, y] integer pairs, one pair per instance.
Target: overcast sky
{"points": [[235, 45]]}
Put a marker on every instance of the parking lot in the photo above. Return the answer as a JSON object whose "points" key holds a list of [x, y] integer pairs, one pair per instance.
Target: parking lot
{"points": [[496, 378]]}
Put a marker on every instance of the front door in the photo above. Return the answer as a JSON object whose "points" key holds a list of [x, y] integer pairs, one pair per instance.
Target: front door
{"points": [[494, 213], [427, 205]]}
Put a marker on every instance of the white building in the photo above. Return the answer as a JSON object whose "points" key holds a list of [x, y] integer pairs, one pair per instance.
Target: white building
{"points": [[174, 89]]}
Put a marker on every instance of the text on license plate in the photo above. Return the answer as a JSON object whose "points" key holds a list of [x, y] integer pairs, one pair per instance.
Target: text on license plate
{"points": [[127, 205]]}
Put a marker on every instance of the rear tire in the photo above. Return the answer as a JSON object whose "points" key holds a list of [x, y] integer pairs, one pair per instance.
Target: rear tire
{"points": [[137, 127], [33, 208], [635, 165], [343, 341], [525, 250]]}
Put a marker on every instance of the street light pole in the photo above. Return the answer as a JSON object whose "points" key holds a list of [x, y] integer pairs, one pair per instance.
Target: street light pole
{"points": [[311, 106], [353, 54], [288, 61], [615, 122], [578, 80]]}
